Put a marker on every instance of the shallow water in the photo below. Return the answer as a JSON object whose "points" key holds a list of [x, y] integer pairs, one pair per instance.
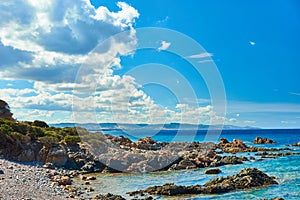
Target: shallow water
{"points": [[286, 169]]}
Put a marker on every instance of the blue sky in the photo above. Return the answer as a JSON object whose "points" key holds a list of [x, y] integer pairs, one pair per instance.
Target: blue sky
{"points": [[255, 45]]}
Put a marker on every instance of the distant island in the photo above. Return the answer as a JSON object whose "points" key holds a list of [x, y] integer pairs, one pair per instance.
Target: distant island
{"points": [[168, 126]]}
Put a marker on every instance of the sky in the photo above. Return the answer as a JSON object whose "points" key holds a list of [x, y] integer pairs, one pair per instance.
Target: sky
{"points": [[209, 62]]}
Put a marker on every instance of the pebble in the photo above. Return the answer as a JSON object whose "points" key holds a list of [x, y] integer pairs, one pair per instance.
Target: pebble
{"points": [[27, 182]]}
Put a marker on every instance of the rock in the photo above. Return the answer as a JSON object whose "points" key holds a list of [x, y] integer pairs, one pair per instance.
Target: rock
{"points": [[147, 143], [296, 144], [1, 171], [223, 141], [93, 166], [213, 171], [65, 180], [246, 179], [48, 165], [86, 183], [83, 178], [259, 140], [172, 190], [90, 189], [108, 197], [91, 178], [227, 160], [183, 164], [57, 156]]}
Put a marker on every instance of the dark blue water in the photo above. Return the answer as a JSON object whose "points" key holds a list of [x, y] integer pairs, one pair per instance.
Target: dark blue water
{"points": [[281, 136]]}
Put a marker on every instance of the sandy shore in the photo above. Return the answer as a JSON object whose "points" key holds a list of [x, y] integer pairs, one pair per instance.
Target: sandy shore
{"points": [[27, 181]]}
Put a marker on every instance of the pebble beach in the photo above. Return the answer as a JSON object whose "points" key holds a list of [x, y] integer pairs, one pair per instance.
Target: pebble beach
{"points": [[20, 181]]}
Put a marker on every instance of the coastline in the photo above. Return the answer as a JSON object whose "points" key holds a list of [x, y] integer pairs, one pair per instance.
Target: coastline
{"points": [[70, 169]]}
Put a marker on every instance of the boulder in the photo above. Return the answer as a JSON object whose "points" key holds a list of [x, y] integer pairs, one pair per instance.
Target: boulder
{"points": [[1, 171], [57, 156], [213, 171], [259, 140]]}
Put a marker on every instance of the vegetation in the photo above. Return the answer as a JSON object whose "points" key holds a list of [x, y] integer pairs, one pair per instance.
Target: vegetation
{"points": [[24, 132]]}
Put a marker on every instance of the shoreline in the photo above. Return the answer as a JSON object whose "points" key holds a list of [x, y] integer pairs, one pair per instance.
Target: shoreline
{"points": [[50, 180]]}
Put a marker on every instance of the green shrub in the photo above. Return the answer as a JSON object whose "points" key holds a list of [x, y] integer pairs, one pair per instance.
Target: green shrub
{"points": [[40, 124], [5, 129], [70, 139]]}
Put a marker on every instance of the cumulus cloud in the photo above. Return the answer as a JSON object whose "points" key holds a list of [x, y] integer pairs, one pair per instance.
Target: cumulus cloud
{"points": [[55, 33], [164, 46], [54, 45]]}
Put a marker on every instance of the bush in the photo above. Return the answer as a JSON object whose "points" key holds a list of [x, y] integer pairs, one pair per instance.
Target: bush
{"points": [[40, 124], [70, 139]]}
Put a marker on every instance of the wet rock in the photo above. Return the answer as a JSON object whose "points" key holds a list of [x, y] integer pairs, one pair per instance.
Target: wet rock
{"points": [[213, 171], [259, 140], [248, 178], [108, 197], [227, 160]]}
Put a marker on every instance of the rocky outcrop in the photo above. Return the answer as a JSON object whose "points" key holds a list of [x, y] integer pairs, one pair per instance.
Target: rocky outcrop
{"points": [[296, 144], [239, 146], [259, 140], [5, 111], [248, 178]]}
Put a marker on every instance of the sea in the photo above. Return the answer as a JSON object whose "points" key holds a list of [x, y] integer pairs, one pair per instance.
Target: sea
{"points": [[285, 169]]}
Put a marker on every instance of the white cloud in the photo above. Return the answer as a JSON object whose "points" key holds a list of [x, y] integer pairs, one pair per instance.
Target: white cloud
{"points": [[252, 43], [201, 55], [294, 93], [47, 43], [166, 19], [205, 61], [164, 46]]}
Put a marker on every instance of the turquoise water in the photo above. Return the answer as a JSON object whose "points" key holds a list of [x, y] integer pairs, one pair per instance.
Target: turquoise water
{"points": [[286, 169]]}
